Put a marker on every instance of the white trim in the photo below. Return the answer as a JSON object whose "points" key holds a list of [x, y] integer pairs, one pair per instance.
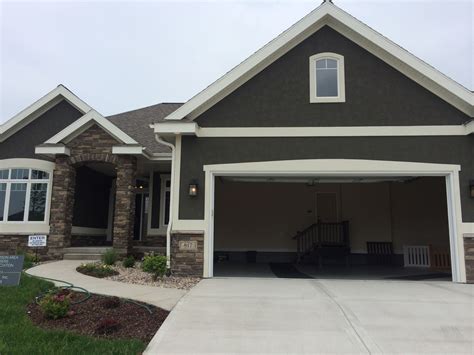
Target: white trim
{"points": [[25, 226], [127, 150], [468, 228], [175, 128], [329, 14], [341, 86], [350, 131], [39, 107], [341, 167], [75, 230], [53, 150], [82, 124]]}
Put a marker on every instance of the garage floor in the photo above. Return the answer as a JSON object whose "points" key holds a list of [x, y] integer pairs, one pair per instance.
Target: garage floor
{"points": [[354, 272], [276, 315]]}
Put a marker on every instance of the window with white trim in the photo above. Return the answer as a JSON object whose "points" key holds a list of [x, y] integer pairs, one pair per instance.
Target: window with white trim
{"points": [[24, 195], [326, 71], [165, 199]]}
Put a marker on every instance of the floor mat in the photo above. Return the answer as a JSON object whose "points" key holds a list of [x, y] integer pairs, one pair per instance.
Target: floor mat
{"points": [[421, 277], [287, 271]]}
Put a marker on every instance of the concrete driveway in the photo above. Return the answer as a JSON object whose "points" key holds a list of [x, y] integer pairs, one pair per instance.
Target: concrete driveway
{"points": [[265, 315]]}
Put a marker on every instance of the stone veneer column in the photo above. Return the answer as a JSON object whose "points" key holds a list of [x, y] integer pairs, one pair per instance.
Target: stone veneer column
{"points": [[62, 203], [469, 257], [187, 254], [124, 214]]}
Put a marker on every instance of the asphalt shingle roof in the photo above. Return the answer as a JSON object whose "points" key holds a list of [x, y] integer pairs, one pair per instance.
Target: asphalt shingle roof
{"points": [[136, 124]]}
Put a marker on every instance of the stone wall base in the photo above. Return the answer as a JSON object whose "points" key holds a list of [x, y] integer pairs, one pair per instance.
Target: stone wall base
{"points": [[151, 241], [187, 254], [14, 244], [469, 257]]}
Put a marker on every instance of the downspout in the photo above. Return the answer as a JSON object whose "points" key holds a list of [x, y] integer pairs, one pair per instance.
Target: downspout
{"points": [[170, 222]]}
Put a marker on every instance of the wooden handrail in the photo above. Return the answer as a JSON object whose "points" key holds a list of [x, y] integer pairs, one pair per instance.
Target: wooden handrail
{"points": [[322, 234]]}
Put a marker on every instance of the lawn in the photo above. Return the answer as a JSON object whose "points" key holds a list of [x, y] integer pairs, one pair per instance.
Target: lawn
{"points": [[19, 336]]}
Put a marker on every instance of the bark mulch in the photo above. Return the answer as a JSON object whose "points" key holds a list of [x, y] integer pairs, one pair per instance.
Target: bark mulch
{"points": [[94, 317]]}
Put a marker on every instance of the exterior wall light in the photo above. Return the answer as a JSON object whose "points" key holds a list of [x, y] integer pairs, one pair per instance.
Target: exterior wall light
{"points": [[471, 187], [193, 189]]}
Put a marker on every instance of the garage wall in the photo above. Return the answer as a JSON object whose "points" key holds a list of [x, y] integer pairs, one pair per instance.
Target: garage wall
{"points": [[264, 216]]}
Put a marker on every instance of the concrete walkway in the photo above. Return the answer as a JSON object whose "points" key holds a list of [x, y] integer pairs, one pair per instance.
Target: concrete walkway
{"points": [[165, 298], [268, 315]]}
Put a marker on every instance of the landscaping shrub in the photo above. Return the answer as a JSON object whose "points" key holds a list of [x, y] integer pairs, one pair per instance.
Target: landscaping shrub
{"points": [[107, 326], [111, 302], [96, 270], [30, 259], [154, 264], [109, 257], [55, 305], [128, 262]]}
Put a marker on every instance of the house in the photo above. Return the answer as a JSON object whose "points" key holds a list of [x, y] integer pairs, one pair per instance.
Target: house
{"points": [[330, 140]]}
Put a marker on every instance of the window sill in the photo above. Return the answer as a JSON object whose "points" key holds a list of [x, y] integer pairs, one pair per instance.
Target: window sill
{"points": [[23, 228], [321, 100]]}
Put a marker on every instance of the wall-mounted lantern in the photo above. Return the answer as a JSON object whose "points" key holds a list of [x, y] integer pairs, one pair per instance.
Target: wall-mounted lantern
{"points": [[193, 189], [471, 187]]}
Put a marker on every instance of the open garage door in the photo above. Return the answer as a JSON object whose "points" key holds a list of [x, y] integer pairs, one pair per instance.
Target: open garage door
{"points": [[371, 226]]}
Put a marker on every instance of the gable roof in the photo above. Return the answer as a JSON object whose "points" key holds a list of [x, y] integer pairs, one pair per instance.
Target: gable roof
{"points": [[39, 107], [330, 15], [136, 123], [88, 120]]}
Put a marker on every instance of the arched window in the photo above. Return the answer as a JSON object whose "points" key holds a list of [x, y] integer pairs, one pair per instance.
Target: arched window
{"points": [[25, 188], [326, 72]]}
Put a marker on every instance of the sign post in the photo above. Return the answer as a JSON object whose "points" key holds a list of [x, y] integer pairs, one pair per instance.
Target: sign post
{"points": [[37, 241], [10, 269]]}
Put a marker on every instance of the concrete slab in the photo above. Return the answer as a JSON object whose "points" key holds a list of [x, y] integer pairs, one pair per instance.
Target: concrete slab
{"points": [[270, 315], [65, 270]]}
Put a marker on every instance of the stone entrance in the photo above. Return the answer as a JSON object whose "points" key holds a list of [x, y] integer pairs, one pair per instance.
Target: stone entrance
{"points": [[92, 146]]}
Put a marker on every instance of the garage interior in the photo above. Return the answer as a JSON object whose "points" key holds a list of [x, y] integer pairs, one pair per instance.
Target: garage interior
{"points": [[332, 227]]}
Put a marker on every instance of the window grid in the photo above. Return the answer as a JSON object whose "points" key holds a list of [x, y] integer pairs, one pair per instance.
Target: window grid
{"points": [[22, 179]]}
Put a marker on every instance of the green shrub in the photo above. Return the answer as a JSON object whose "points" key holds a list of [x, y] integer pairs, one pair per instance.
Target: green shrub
{"points": [[109, 257], [55, 305], [155, 264], [30, 259], [96, 270], [128, 262]]}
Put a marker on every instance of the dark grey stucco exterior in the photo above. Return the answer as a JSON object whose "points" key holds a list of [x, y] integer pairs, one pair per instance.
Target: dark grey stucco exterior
{"points": [[22, 143], [197, 152], [376, 93]]}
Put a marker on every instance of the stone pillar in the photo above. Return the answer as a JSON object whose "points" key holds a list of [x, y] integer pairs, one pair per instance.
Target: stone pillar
{"points": [[62, 203], [469, 257], [187, 254], [124, 214]]}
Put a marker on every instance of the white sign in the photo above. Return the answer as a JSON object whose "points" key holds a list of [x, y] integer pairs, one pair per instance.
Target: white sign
{"points": [[37, 241], [187, 245]]}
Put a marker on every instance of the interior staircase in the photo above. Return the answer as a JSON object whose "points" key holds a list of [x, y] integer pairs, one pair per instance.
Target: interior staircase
{"points": [[84, 253]]}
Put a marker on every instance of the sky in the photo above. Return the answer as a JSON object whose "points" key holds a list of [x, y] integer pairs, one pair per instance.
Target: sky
{"points": [[122, 55]]}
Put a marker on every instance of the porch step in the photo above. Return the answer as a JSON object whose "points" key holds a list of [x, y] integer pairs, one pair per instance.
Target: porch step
{"points": [[86, 250], [71, 256], [84, 253]]}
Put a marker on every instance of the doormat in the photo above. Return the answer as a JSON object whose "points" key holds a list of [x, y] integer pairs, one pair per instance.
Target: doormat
{"points": [[287, 271], [421, 277]]}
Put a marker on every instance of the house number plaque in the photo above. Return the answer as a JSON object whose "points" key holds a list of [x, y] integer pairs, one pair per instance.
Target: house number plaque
{"points": [[187, 245]]}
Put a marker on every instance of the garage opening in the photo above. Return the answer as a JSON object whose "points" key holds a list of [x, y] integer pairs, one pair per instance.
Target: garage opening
{"points": [[393, 228]]}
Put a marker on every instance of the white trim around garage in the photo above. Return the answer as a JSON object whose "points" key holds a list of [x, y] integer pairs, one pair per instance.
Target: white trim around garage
{"points": [[342, 167]]}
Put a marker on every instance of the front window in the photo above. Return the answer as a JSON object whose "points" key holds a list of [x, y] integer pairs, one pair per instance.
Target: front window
{"points": [[327, 78], [23, 195]]}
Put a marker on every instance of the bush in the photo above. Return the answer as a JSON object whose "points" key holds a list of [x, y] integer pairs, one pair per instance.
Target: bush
{"points": [[111, 302], [109, 257], [128, 262], [30, 259], [96, 270], [55, 305], [107, 326], [154, 264]]}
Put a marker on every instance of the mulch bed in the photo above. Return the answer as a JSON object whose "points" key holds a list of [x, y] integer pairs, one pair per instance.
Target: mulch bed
{"points": [[126, 321]]}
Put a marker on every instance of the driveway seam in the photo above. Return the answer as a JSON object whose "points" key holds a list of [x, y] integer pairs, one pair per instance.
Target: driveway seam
{"points": [[328, 293]]}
